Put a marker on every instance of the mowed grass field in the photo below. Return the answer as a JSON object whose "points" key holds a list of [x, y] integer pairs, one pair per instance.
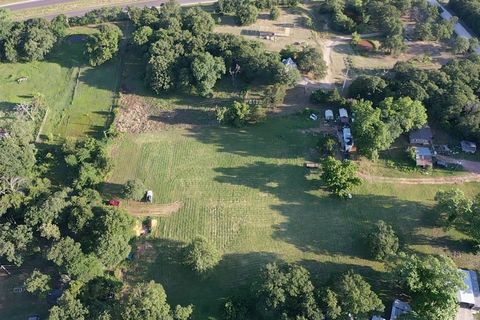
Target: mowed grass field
{"points": [[247, 191], [79, 98]]}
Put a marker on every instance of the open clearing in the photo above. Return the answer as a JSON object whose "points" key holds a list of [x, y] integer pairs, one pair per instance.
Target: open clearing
{"points": [[79, 98], [247, 191]]}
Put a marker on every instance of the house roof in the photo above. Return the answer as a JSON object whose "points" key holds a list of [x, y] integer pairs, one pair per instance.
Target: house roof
{"points": [[343, 113], [424, 133], [377, 318], [466, 295], [328, 114], [398, 308], [289, 62], [423, 152]]}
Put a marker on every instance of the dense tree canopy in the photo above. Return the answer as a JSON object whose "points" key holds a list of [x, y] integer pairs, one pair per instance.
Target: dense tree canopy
{"points": [[287, 292], [103, 45], [382, 241], [432, 283], [339, 177], [201, 255]]}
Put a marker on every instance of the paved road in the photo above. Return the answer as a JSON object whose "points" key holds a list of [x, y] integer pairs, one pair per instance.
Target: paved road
{"points": [[32, 4], [459, 29]]}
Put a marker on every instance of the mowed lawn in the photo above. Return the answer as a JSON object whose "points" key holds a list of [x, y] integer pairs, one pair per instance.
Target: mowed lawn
{"points": [[247, 191], [79, 97]]}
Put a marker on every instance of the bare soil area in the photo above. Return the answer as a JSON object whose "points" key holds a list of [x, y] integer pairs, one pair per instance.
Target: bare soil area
{"points": [[145, 209]]}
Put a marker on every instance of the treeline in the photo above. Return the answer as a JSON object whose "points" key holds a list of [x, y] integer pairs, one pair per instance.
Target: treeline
{"points": [[450, 93], [469, 12], [183, 54], [288, 291], [246, 11], [351, 16], [29, 40]]}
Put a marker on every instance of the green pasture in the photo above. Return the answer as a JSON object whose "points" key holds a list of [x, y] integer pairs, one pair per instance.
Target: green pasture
{"points": [[79, 97], [248, 192]]}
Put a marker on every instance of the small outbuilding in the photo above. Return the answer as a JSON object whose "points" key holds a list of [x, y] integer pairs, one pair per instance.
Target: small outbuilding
{"points": [[329, 115], [343, 115], [468, 146], [423, 157], [469, 297], [377, 318], [423, 136], [398, 308], [289, 63]]}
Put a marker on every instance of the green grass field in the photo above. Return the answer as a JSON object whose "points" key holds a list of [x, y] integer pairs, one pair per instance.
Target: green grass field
{"points": [[79, 98], [248, 192]]}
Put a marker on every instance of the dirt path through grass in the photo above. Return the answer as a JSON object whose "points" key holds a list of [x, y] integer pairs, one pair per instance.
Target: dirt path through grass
{"points": [[472, 177]]}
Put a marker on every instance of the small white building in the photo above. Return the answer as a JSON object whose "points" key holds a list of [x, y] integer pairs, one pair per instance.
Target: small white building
{"points": [[289, 63], [329, 115], [377, 318], [398, 308], [469, 297], [343, 115]]}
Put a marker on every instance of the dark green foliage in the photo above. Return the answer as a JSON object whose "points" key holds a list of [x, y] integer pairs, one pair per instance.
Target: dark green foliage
{"points": [[59, 25], [453, 206], [110, 235], [310, 60], [430, 25], [246, 14], [370, 131], [468, 11], [101, 294], [88, 160], [368, 88], [432, 283], [287, 292], [339, 177], [326, 145], [239, 114], [30, 40], [328, 96], [206, 70], [37, 283], [68, 308], [142, 35], [146, 301], [15, 241], [103, 45], [201, 255], [274, 95], [382, 241], [67, 254], [134, 189], [355, 297], [274, 13]]}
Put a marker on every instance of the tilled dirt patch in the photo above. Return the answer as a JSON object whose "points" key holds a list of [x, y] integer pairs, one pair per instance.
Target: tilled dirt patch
{"points": [[137, 115]]}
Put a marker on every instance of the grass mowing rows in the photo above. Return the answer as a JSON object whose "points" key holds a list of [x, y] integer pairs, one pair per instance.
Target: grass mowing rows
{"points": [[248, 192]]}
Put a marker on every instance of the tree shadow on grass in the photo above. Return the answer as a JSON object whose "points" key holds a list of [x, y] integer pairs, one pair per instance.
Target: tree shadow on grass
{"points": [[317, 222], [183, 286]]}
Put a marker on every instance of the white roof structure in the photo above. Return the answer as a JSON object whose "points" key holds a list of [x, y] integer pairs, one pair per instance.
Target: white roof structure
{"points": [[343, 113], [377, 318], [398, 308], [328, 114], [467, 295], [289, 63]]}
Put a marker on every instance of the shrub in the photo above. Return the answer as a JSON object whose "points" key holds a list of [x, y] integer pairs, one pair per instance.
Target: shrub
{"points": [[326, 145], [274, 13], [134, 190], [274, 95], [383, 242], [201, 255]]}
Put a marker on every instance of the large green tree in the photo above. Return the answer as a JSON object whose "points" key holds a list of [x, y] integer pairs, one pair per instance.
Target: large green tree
{"points": [[103, 45], [371, 133], [201, 255], [382, 241], [432, 282], [339, 177], [146, 301], [206, 70], [288, 293]]}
